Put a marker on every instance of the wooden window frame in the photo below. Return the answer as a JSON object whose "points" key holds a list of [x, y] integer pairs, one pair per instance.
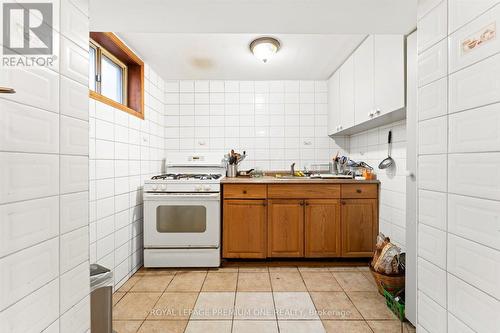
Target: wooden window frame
{"points": [[133, 75]]}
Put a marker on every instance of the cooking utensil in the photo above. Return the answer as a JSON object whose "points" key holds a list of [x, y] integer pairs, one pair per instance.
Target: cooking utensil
{"points": [[388, 161]]}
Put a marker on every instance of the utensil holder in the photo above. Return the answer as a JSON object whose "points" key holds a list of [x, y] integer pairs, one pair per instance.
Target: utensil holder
{"points": [[232, 170], [333, 168]]}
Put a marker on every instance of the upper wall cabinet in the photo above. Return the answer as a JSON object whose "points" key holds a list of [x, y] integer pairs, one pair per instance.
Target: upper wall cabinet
{"points": [[334, 103], [371, 86], [364, 81], [389, 75]]}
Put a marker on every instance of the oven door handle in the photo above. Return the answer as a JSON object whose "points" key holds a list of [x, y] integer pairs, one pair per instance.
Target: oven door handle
{"points": [[182, 196]]}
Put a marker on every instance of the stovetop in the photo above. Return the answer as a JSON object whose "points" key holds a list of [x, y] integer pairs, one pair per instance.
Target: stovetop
{"points": [[187, 176]]}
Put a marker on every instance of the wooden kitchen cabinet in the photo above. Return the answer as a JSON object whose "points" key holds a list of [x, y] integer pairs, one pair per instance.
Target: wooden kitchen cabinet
{"points": [[285, 223], [244, 229], [322, 228], [359, 227], [321, 220]]}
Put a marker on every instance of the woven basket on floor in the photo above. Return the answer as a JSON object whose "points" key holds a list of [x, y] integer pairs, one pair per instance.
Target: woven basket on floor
{"points": [[391, 283]]}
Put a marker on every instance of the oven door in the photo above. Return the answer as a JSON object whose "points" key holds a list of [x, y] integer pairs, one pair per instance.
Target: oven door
{"points": [[186, 220]]}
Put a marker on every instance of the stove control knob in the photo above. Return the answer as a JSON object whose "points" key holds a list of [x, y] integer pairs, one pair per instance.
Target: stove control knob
{"points": [[207, 188], [155, 187], [163, 187], [198, 188]]}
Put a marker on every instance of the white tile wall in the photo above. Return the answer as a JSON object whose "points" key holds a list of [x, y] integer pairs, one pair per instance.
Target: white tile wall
{"points": [[459, 196], [275, 122], [124, 151], [371, 147], [44, 231]]}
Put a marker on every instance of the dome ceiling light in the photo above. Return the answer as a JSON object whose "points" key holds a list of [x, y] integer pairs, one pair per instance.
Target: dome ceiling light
{"points": [[264, 48]]}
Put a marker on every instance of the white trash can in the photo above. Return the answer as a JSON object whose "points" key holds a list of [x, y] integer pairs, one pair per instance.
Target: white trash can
{"points": [[101, 299]]}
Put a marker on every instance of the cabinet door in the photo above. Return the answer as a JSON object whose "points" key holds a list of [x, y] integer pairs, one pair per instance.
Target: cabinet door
{"points": [[285, 228], [333, 104], [389, 73], [347, 94], [322, 228], [359, 227], [364, 82], [244, 229]]}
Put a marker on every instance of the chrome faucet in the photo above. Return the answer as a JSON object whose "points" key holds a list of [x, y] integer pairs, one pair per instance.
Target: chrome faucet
{"points": [[292, 169]]}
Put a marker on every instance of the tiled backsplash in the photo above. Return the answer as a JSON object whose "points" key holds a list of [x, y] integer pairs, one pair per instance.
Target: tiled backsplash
{"points": [[458, 177], [371, 147], [124, 151], [275, 122], [44, 256]]}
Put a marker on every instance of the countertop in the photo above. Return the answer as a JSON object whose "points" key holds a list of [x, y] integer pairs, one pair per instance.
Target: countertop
{"points": [[274, 180]]}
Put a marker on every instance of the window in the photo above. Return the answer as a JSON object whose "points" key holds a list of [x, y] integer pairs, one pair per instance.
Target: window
{"points": [[116, 74], [108, 75]]}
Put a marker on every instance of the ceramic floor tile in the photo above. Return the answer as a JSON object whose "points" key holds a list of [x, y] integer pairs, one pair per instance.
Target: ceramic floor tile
{"points": [[135, 306], [346, 326], [363, 268], [287, 281], [254, 305], [117, 296], [371, 305], [220, 282], [152, 283], [283, 269], [294, 305], [354, 281], [301, 326], [214, 305], [173, 305], [252, 326], [155, 271], [314, 269], [254, 281], [334, 305], [187, 281], [343, 269], [320, 281], [260, 269], [408, 328], [385, 326], [208, 326], [129, 283], [369, 276], [126, 326], [229, 269], [163, 326]]}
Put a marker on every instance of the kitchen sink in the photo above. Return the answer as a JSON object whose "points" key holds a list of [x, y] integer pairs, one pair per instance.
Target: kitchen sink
{"points": [[288, 177]]}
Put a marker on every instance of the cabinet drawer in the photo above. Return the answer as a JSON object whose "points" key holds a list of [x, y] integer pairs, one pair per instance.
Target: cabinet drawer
{"points": [[304, 191], [365, 191], [245, 191]]}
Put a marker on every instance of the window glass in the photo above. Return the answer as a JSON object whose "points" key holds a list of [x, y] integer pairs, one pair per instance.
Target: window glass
{"points": [[111, 80], [174, 219], [92, 67]]}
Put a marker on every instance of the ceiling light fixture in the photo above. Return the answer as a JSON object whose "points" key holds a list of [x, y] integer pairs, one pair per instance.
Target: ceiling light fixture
{"points": [[264, 48]]}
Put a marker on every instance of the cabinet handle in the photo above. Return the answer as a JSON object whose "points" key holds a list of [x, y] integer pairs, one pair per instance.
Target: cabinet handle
{"points": [[264, 204], [342, 202], [302, 203], [377, 111], [307, 203], [244, 191], [358, 190], [370, 114]]}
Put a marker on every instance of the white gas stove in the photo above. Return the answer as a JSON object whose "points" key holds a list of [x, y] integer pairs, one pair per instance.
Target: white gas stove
{"points": [[182, 213]]}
